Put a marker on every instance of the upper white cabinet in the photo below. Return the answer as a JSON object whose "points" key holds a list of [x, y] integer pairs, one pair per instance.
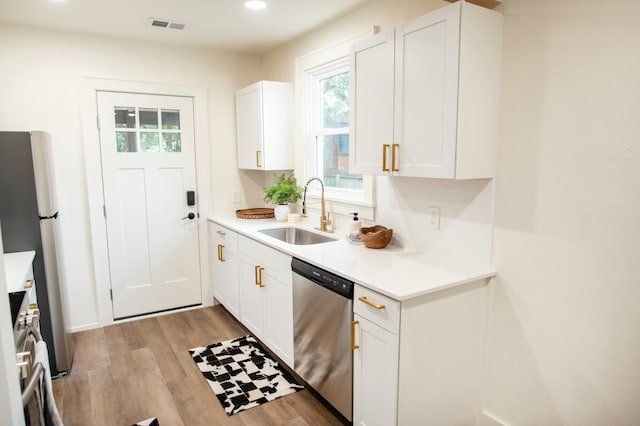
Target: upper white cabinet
{"points": [[264, 126], [425, 96]]}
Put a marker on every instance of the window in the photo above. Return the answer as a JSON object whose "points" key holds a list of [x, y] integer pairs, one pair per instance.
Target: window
{"points": [[330, 128], [137, 129], [322, 130]]}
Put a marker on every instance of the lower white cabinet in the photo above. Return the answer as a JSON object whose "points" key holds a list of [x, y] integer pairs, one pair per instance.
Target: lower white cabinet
{"points": [[266, 299], [375, 375], [419, 362], [224, 267]]}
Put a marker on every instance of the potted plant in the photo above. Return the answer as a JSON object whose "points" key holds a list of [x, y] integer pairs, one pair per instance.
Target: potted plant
{"points": [[284, 190]]}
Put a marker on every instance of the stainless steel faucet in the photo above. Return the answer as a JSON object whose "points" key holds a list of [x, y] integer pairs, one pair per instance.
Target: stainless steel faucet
{"points": [[324, 217]]}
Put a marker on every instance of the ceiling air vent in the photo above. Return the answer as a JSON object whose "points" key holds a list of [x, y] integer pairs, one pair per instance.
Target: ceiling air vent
{"points": [[165, 23]]}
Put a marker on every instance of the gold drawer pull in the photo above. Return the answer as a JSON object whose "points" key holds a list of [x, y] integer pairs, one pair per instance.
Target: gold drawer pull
{"points": [[33, 305], [220, 255], [258, 155], [364, 300], [394, 167], [353, 335], [384, 157], [28, 284], [222, 233]]}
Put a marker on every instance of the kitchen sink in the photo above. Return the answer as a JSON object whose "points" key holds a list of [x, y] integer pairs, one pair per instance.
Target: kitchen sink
{"points": [[296, 236]]}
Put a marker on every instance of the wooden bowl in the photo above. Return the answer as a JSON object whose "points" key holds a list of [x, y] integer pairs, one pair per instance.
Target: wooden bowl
{"points": [[376, 236]]}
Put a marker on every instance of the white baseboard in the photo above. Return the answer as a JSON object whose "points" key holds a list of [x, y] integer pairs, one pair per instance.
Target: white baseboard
{"points": [[85, 327], [489, 419]]}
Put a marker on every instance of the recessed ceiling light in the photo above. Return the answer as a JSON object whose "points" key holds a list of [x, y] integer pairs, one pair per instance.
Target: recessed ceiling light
{"points": [[255, 4]]}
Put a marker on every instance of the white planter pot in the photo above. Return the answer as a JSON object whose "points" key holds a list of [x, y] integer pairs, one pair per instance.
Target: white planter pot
{"points": [[281, 211]]}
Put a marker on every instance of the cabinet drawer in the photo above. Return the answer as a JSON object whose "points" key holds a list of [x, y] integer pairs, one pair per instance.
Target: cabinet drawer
{"points": [[381, 310], [224, 236]]}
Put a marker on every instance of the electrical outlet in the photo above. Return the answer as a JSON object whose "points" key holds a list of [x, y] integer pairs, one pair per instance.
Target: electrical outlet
{"points": [[433, 217], [235, 196]]}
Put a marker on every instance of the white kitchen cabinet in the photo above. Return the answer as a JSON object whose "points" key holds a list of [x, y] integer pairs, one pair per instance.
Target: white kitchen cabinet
{"points": [[425, 96], [266, 298], [419, 361], [224, 267], [375, 375], [264, 126]]}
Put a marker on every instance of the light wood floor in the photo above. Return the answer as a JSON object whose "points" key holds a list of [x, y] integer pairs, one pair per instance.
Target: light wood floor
{"points": [[131, 371]]}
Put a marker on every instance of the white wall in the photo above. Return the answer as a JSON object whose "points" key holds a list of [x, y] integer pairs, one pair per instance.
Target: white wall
{"points": [[564, 333], [40, 82], [565, 330], [465, 207]]}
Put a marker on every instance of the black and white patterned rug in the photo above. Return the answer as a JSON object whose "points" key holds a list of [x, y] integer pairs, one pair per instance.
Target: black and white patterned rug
{"points": [[242, 374], [149, 422]]}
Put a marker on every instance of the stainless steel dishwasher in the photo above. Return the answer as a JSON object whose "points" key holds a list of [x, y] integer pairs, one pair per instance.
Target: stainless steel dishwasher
{"points": [[322, 315]]}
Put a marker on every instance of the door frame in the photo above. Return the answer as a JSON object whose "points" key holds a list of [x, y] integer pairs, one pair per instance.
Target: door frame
{"points": [[93, 168]]}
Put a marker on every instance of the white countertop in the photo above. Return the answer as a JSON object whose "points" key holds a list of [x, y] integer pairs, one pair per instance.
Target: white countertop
{"points": [[16, 266], [399, 273]]}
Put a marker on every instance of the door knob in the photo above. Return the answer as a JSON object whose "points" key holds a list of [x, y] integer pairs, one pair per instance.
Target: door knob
{"points": [[190, 216]]}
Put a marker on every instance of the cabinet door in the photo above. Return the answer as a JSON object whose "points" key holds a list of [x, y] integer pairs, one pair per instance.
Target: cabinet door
{"points": [[224, 270], [252, 295], [427, 93], [249, 125], [279, 311], [375, 375], [371, 103]]}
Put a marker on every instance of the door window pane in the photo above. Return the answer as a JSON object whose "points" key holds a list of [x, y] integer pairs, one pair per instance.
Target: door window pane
{"points": [[125, 117], [144, 132], [148, 118], [170, 119], [171, 142], [149, 142], [333, 162], [335, 101], [126, 142]]}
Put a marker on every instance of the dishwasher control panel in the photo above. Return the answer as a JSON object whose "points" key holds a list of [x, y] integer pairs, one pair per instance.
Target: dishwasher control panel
{"points": [[326, 279]]}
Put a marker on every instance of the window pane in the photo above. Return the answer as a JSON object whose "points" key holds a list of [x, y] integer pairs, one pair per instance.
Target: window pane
{"points": [[171, 142], [335, 101], [333, 162], [149, 142], [125, 117], [126, 142], [170, 119], [148, 118]]}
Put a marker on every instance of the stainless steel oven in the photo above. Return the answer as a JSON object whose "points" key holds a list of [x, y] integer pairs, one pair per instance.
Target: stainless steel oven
{"points": [[322, 315], [32, 363]]}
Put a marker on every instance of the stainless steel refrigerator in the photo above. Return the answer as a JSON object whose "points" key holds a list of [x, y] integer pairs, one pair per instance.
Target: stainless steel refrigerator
{"points": [[29, 217]]}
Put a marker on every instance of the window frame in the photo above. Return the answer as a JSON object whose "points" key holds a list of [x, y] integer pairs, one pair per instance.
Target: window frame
{"points": [[309, 71]]}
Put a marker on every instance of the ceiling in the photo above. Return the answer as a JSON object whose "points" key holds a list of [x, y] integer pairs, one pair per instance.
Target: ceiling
{"points": [[220, 24]]}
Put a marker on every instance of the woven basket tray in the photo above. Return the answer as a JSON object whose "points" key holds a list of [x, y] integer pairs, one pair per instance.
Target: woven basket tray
{"points": [[255, 214]]}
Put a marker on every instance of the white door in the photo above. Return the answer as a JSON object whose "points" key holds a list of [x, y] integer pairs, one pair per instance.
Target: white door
{"points": [[148, 166]]}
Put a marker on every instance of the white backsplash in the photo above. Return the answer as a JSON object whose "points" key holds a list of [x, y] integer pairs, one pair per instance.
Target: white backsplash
{"points": [[466, 216]]}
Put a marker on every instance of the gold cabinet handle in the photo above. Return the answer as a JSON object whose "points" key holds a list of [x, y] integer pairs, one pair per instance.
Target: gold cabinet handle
{"points": [[353, 335], [394, 167], [258, 155], [28, 284], [221, 233], [384, 157], [366, 301], [220, 255], [33, 305], [258, 271]]}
